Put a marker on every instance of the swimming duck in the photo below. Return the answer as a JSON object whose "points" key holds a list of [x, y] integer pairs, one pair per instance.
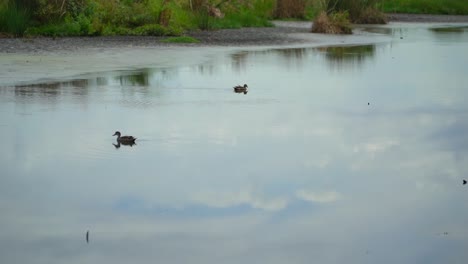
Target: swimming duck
{"points": [[241, 89], [124, 139]]}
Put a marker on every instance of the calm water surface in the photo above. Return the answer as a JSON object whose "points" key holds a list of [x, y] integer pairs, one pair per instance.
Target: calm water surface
{"points": [[336, 155]]}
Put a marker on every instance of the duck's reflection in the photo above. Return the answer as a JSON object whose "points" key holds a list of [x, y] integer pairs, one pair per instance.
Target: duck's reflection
{"points": [[117, 146]]}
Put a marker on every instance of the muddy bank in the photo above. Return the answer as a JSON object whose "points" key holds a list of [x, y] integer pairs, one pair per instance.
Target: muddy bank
{"points": [[225, 37]]}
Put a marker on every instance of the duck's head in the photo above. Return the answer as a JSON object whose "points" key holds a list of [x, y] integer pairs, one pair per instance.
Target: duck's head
{"points": [[117, 133], [245, 86]]}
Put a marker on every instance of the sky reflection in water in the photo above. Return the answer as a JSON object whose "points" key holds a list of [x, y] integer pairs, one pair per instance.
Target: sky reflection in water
{"points": [[299, 170]]}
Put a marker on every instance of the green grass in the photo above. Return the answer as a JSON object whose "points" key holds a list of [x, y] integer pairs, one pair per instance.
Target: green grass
{"points": [[181, 39], [13, 20], [129, 17], [335, 23], [245, 19], [449, 7], [256, 13], [173, 18]]}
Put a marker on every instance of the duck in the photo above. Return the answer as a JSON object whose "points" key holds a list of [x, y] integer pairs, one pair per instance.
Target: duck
{"points": [[241, 89], [124, 139]]}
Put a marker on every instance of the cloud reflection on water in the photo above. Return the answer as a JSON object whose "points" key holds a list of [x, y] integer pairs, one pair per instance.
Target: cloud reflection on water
{"points": [[300, 169]]}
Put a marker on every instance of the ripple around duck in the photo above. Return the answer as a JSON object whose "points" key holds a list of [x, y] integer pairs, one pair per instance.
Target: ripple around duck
{"points": [[99, 148]]}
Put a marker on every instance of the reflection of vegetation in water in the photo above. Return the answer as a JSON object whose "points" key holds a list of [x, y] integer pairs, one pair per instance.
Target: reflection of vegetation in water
{"points": [[53, 91], [39, 90], [101, 81], [292, 57], [133, 82], [445, 34], [292, 54], [239, 60], [287, 57], [205, 69], [449, 29], [348, 55], [136, 79]]}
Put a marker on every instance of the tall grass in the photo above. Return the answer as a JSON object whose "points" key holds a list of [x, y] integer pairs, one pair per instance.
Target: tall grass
{"points": [[360, 11], [173, 17], [337, 15], [335, 23], [13, 19], [450, 7], [290, 8], [237, 14]]}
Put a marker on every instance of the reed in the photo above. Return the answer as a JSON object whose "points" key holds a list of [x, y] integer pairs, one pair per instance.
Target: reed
{"points": [[334, 23], [360, 11], [13, 19], [290, 9]]}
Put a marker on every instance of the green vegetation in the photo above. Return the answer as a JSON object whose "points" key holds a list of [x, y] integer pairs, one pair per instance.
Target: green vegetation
{"points": [[181, 39], [13, 19], [129, 17], [337, 15], [450, 29], [449, 7], [174, 17], [360, 11], [335, 23], [290, 9]]}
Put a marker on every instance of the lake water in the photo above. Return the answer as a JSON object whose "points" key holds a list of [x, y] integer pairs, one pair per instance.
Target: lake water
{"points": [[343, 154]]}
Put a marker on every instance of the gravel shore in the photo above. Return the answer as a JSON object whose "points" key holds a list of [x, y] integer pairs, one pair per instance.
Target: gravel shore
{"points": [[279, 35]]}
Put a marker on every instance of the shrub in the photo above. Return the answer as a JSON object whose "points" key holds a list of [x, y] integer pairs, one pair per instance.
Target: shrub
{"points": [[290, 9], [335, 23], [371, 15], [360, 11]]}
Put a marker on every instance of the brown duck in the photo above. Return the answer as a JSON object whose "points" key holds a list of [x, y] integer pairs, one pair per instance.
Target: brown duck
{"points": [[124, 139], [241, 89]]}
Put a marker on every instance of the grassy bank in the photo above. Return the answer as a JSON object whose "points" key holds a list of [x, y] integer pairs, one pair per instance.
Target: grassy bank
{"points": [[129, 17], [448, 7], [174, 17]]}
